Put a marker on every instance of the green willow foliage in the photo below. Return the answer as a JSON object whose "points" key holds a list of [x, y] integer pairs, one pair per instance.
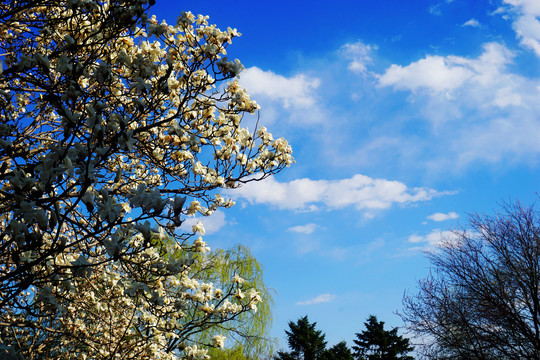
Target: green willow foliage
{"points": [[248, 332]]}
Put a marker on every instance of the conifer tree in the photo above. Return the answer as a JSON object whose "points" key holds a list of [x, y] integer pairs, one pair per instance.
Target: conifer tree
{"points": [[340, 351], [305, 341], [376, 343]]}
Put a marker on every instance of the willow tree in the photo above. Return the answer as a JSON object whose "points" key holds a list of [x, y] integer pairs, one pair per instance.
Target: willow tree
{"points": [[115, 127], [249, 332]]}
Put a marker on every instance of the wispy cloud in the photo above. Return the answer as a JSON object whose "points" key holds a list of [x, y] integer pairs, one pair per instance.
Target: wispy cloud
{"points": [[443, 216], [359, 55], [490, 112], [304, 229], [471, 23], [526, 23], [323, 298], [306, 245], [435, 9], [471, 110], [359, 191], [433, 239]]}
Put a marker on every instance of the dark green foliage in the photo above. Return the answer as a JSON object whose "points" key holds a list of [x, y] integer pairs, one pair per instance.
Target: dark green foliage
{"points": [[340, 351], [283, 355], [376, 343], [304, 340]]}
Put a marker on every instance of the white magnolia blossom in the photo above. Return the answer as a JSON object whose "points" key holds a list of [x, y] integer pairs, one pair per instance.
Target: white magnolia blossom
{"points": [[219, 340], [115, 127]]}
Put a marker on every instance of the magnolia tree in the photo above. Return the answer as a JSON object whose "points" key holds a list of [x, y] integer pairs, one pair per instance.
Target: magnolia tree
{"points": [[114, 128]]}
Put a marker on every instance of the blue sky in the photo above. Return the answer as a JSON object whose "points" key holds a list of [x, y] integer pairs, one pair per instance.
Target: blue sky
{"points": [[404, 117]]}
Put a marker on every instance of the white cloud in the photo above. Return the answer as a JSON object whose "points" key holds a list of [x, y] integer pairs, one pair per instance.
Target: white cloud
{"points": [[531, 7], [212, 223], [433, 72], [517, 135], [359, 55], [472, 23], [304, 229], [323, 298], [507, 97], [438, 73], [435, 9], [337, 254], [527, 24], [443, 216], [306, 245], [490, 112], [434, 239], [297, 91], [360, 191], [528, 29]]}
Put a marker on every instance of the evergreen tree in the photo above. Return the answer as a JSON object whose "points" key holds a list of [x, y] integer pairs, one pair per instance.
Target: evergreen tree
{"points": [[283, 355], [305, 341], [376, 343], [340, 351]]}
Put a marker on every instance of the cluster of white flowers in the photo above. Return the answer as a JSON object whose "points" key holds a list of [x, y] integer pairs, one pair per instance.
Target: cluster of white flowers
{"points": [[113, 129]]}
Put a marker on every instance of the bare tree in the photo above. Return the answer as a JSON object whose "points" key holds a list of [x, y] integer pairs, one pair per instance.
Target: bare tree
{"points": [[482, 300]]}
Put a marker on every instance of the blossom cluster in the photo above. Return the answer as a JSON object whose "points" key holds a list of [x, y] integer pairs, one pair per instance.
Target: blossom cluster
{"points": [[153, 304], [114, 128]]}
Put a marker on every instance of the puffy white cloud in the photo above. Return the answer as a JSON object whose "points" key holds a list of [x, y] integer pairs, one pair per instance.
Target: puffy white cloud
{"points": [[296, 91], [489, 111], [438, 73], [433, 72], [323, 298], [360, 191], [304, 229], [296, 194], [359, 55], [527, 24], [528, 29], [472, 23], [212, 223], [443, 216]]}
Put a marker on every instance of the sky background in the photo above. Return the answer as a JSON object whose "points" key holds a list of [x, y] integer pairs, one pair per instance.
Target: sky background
{"points": [[404, 117]]}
